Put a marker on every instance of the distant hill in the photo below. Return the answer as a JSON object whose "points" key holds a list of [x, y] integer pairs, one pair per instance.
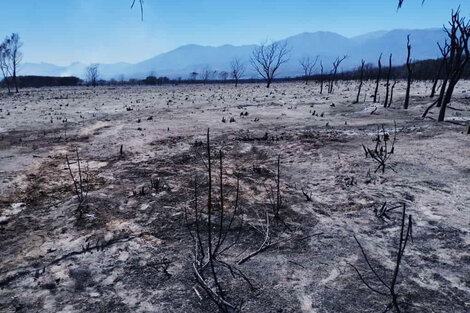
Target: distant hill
{"points": [[327, 45]]}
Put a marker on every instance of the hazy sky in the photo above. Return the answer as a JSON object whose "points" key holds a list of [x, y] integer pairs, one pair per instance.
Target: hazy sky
{"points": [[107, 31]]}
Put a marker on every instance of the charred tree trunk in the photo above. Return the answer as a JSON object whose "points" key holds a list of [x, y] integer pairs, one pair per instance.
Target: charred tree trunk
{"points": [[410, 72], [332, 80], [15, 79], [377, 82], [436, 80], [442, 92], [7, 81], [446, 54], [387, 85], [391, 94], [446, 100], [321, 77], [360, 83]]}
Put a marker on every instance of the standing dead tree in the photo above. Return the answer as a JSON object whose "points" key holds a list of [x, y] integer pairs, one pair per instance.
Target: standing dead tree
{"points": [[237, 70], [391, 93], [267, 58], [410, 73], [459, 34], [387, 84], [363, 63], [321, 77], [377, 82], [91, 73], [388, 289], [10, 58], [5, 64], [383, 150], [206, 74], [334, 71], [15, 55], [308, 67], [445, 51], [210, 247], [81, 184], [455, 53]]}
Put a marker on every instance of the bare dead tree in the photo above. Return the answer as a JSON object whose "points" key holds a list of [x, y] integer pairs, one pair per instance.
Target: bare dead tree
{"points": [[459, 34], [238, 70], [363, 62], [16, 56], [267, 58], [377, 82], [321, 77], [455, 54], [209, 249], [11, 57], [308, 67], [388, 289], [336, 64], [387, 84], [92, 74], [410, 73], [445, 51], [206, 74], [5, 64]]}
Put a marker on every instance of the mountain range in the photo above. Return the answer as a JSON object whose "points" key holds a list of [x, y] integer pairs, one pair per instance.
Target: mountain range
{"points": [[326, 45]]}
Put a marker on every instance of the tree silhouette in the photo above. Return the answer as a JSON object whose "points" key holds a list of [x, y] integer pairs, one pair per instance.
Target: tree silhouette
{"points": [[92, 74], [267, 58], [5, 64], [308, 67], [238, 70], [10, 58]]}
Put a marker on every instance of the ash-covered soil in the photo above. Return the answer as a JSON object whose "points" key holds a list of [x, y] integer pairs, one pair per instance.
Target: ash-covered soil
{"points": [[129, 249]]}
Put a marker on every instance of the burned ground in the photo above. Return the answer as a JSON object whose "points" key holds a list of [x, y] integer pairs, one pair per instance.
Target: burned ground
{"points": [[131, 251]]}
